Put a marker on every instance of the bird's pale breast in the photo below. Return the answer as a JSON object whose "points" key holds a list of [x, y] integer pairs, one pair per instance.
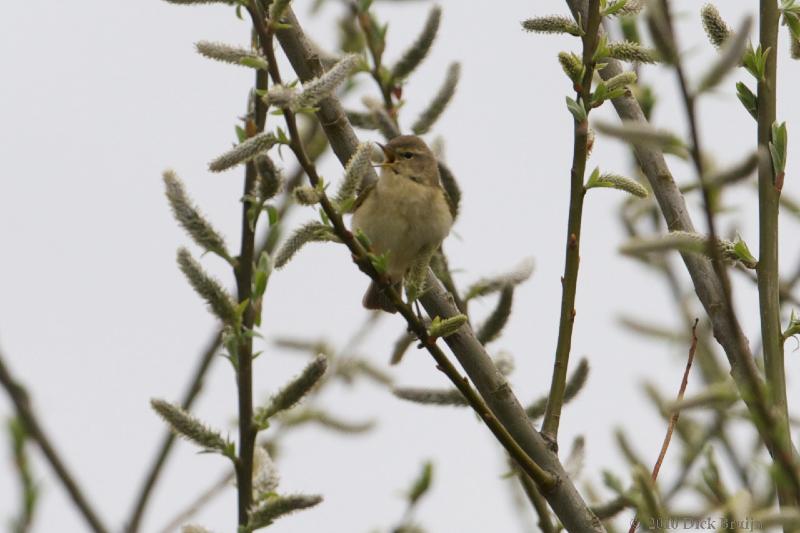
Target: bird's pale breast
{"points": [[403, 218]]}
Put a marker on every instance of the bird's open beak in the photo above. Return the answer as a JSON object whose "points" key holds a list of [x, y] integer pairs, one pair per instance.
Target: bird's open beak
{"points": [[388, 154]]}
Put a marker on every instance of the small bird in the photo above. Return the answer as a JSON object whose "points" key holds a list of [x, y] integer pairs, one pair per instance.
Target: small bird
{"points": [[405, 214]]}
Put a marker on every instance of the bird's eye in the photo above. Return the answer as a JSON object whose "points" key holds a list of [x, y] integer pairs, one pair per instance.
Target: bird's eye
{"points": [[407, 155]]}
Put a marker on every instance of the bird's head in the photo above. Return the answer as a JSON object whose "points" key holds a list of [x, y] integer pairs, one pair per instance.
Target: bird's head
{"points": [[409, 157]]}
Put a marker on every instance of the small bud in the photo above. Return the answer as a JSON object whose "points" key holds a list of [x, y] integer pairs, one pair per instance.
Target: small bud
{"points": [[794, 326], [795, 48], [243, 152], [715, 28], [189, 427], [552, 24], [572, 66], [421, 484], [306, 195], [445, 327]]}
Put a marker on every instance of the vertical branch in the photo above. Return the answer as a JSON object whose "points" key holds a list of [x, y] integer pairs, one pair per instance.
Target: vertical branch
{"points": [[21, 403], [753, 393], [768, 197], [244, 284], [569, 281]]}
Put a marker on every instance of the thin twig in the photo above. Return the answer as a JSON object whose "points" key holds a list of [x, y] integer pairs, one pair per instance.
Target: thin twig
{"points": [[569, 281], [25, 413], [673, 420]]}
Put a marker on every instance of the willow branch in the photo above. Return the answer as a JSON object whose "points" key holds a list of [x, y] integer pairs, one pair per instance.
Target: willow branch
{"points": [[25, 413], [768, 275], [707, 284], [572, 258], [195, 385]]}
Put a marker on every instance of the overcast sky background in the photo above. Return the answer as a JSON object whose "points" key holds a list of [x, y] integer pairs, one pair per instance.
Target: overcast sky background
{"points": [[99, 97]]}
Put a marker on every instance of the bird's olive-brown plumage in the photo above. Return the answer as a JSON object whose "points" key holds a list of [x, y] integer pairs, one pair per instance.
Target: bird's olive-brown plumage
{"points": [[405, 214]]}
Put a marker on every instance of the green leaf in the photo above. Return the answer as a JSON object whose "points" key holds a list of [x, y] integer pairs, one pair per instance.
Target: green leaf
{"points": [[777, 148], [272, 214], [421, 484], [577, 110], [254, 62], [755, 61], [241, 135], [261, 274], [748, 99]]}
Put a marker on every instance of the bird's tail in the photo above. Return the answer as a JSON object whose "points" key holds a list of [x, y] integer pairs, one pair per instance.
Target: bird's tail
{"points": [[376, 299]]}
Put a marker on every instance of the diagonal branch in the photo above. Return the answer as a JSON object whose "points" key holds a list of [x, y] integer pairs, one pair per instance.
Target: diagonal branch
{"points": [[22, 405], [564, 497]]}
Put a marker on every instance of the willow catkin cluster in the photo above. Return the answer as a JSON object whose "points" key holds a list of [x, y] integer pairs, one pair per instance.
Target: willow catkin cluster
{"points": [[217, 298], [188, 426], [190, 218], [233, 55], [417, 52], [437, 106], [243, 152]]}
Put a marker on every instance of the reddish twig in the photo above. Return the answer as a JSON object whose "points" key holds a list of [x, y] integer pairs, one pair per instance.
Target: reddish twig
{"points": [[673, 420]]}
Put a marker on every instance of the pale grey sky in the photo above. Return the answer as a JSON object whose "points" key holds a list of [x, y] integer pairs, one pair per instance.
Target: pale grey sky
{"points": [[99, 97]]}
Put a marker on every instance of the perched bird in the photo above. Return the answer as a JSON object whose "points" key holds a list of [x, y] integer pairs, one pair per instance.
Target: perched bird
{"points": [[406, 214]]}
